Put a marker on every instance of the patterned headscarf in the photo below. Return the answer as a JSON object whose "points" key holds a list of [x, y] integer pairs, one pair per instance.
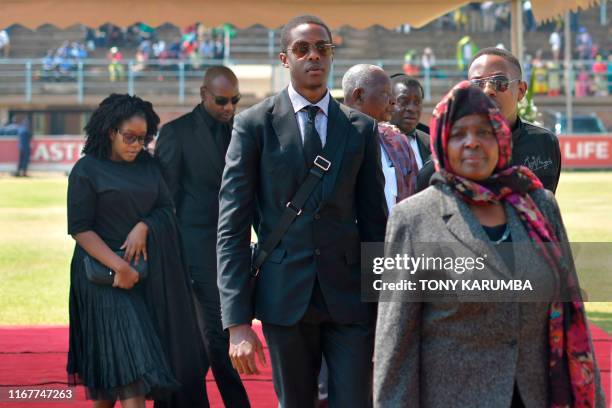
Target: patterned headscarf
{"points": [[571, 364]]}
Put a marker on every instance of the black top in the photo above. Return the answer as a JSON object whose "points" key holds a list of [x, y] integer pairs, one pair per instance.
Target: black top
{"points": [[111, 197], [538, 149], [504, 248]]}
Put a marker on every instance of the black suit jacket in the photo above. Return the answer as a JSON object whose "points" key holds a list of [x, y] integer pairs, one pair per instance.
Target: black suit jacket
{"points": [[265, 166], [192, 160], [422, 139]]}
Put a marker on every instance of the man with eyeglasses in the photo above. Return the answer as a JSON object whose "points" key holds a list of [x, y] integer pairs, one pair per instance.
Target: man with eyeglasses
{"points": [[499, 74], [307, 292], [191, 151]]}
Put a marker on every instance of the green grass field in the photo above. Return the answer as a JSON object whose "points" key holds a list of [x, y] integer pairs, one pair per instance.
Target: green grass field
{"points": [[35, 249]]}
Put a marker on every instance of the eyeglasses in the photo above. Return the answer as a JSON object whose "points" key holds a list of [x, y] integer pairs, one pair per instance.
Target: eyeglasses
{"points": [[224, 100], [301, 48], [129, 138], [500, 82]]}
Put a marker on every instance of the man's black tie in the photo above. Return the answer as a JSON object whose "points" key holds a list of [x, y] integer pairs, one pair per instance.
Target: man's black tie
{"points": [[312, 140]]}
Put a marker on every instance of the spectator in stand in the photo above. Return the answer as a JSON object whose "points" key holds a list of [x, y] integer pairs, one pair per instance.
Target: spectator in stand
{"points": [[5, 43], [411, 68], [466, 49], [461, 20], [540, 73], [219, 48], [599, 75], [582, 87], [530, 23], [49, 68], [428, 60], [610, 73], [115, 64], [554, 78], [555, 44], [207, 48], [475, 17], [488, 16], [502, 17], [584, 44]]}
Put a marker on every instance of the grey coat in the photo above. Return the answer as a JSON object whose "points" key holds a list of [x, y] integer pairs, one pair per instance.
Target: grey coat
{"points": [[451, 354]]}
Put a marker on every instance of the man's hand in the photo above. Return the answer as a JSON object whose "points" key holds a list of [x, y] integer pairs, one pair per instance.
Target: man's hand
{"points": [[244, 344]]}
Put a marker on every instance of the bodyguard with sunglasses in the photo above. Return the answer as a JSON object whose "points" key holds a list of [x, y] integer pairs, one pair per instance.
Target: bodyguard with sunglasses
{"points": [[307, 292], [499, 74], [191, 150]]}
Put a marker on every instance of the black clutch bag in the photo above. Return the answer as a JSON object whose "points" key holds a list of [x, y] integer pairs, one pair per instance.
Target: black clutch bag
{"points": [[101, 274]]}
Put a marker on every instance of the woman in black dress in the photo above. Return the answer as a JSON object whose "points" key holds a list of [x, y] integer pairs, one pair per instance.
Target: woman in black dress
{"points": [[135, 339]]}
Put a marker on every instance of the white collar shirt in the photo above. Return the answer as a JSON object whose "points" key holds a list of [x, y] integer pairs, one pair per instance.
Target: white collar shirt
{"points": [[299, 103]]}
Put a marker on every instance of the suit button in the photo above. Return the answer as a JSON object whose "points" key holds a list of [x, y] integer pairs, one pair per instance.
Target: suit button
{"points": [[512, 343], [317, 251], [317, 216]]}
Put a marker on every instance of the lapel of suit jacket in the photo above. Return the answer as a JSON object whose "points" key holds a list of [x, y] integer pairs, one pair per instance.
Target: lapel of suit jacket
{"points": [[206, 140], [287, 131], [524, 257], [465, 227], [423, 143], [337, 128]]}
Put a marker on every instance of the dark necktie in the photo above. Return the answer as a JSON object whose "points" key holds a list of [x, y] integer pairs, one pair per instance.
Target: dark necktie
{"points": [[312, 140]]}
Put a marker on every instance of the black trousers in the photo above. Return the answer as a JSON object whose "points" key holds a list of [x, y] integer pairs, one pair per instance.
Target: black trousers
{"points": [[296, 360], [216, 342], [24, 160]]}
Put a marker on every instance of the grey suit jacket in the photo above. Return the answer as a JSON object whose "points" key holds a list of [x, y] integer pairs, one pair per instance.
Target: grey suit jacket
{"points": [[452, 354]]}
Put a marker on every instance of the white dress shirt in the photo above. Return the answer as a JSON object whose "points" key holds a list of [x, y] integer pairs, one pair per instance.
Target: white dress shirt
{"points": [[390, 179], [299, 103], [415, 149]]}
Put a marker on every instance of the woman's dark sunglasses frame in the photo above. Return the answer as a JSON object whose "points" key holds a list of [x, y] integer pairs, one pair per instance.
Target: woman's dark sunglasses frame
{"points": [[301, 48], [501, 83], [130, 139]]}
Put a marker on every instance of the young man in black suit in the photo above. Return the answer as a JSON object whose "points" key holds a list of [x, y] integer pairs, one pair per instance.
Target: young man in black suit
{"points": [[191, 150], [307, 293]]}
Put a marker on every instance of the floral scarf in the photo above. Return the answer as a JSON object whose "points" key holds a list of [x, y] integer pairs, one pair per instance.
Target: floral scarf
{"points": [[398, 148], [571, 363]]}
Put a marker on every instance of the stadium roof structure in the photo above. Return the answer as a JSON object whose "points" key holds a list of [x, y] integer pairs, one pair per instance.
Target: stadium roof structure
{"points": [[245, 13]]}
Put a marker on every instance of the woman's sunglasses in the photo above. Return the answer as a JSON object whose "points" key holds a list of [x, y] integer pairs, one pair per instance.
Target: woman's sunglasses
{"points": [[499, 82], [129, 138], [301, 48], [224, 100]]}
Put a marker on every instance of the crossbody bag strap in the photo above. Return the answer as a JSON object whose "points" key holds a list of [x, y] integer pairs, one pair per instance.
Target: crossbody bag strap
{"points": [[292, 210]]}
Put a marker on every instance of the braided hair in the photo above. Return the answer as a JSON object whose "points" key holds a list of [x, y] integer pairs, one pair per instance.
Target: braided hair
{"points": [[108, 117]]}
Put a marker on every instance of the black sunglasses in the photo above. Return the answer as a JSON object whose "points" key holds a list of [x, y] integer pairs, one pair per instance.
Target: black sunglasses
{"points": [[301, 48], [500, 82], [224, 100], [129, 138]]}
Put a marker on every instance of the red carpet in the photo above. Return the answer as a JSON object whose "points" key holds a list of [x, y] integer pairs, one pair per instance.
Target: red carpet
{"points": [[37, 355]]}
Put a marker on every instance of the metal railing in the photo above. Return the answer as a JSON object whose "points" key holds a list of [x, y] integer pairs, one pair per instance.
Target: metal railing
{"points": [[28, 78]]}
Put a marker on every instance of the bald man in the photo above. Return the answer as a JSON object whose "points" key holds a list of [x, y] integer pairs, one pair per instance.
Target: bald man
{"points": [[367, 88], [191, 150]]}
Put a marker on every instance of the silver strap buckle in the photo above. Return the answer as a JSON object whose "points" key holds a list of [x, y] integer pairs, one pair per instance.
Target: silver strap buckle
{"points": [[294, 208], [322, 163]]}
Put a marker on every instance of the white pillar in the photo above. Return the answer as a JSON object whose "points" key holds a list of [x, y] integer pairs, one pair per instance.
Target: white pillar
{"points": [[569, 113], [516, 30]]}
